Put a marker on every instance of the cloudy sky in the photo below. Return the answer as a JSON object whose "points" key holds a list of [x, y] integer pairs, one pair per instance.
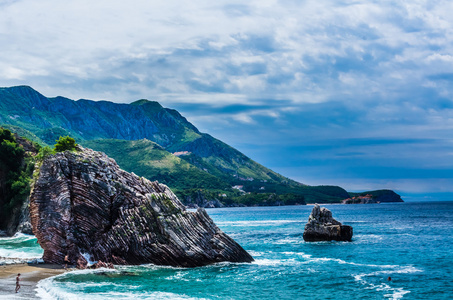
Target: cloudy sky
{"points": [[351, 93]]}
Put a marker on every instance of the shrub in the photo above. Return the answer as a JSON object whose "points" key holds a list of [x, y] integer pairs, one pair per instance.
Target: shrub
{"points": [[65, 143], [43, 153]]}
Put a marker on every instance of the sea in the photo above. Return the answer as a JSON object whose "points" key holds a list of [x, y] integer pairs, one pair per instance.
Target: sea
{"points": [[410, 242]]}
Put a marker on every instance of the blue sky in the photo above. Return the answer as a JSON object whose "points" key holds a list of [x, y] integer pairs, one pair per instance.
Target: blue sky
{"points": [[351, 93]]}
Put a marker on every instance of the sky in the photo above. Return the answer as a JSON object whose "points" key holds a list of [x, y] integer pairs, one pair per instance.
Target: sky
{"points": [[351, 93]]}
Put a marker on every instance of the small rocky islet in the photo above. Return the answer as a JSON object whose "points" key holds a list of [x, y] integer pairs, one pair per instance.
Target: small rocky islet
{"points": [[321, 226], [84, 207]]}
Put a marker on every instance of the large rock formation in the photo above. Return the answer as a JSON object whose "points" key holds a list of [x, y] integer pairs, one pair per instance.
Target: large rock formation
{"points": [[84, 206], [321, 226]]}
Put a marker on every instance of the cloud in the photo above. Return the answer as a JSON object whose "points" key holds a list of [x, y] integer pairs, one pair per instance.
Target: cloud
{"points": [[268, 72]]}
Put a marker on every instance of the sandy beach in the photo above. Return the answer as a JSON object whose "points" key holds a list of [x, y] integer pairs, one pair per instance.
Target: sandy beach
{"points": [[30, 275]]}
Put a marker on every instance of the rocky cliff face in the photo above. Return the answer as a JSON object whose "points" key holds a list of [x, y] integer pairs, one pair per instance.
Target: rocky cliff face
{"points": [[84, 206], [321, 226]]}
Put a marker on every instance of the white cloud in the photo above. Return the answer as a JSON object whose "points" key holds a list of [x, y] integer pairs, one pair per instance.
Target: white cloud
{"points": [[326, 68], [85, 40]]}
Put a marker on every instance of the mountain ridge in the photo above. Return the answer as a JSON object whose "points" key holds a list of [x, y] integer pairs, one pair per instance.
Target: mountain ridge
{"points": [[91, 120], [95, 123]]}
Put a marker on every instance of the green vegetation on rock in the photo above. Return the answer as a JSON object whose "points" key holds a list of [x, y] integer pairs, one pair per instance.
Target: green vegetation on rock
{"points": [[65, 143], [15, 173]]}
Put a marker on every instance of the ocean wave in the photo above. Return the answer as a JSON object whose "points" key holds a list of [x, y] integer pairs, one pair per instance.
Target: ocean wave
{"points": [[276, 262], [398, 293], [395, 293], [391, 270], [255, 253], [19, 248], [289, 240], [268, 262], [53, 288], [18, 237], [14, 253], [370, 236], [257, 223], [309, 258], [12, 256], [48, 289], [157, 267], [352, 222], [13, 261]]}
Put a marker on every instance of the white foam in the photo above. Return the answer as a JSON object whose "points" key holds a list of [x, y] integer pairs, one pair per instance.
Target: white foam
{"points": [[11, 250], [257, 223], [396, 293], [309, 258], [156, 267], [87, 256], [49, 288], [267, 262], [17, 257], [14, 253], [391, 270], [88, 271], [288, 240], [255, 253], [276, 262], [19, 236], [368, 237]]}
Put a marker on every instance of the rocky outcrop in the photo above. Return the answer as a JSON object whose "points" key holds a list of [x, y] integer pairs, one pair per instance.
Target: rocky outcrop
{"points": [[84, 206], [321, 226]]}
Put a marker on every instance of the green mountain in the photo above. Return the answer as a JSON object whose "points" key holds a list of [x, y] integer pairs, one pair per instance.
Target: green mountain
{"points": [[151, 141]]}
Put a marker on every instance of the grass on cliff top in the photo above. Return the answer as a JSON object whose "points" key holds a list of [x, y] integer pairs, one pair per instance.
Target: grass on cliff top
{"points": [[148, 159]]}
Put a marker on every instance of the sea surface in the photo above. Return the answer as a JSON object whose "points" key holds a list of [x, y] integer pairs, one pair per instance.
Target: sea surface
{"points": [[410, 242]]}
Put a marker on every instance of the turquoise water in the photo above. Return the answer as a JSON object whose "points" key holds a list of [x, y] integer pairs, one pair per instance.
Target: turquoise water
{"points": [[19, 248], [411, 242]]}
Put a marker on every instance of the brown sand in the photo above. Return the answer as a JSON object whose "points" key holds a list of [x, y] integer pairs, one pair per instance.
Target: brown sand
{"points": [[30, 275]]}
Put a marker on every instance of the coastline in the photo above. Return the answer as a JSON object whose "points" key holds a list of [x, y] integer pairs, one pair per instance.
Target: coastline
{"points": [[30, 275]]}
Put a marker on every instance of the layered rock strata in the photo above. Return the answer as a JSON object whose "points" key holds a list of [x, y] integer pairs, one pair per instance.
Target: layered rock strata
{"points": [[85, 207], [321, 226]]}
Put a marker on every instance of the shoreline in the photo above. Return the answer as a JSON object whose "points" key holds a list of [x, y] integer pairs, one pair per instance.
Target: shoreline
{"points": [[31, 274]]}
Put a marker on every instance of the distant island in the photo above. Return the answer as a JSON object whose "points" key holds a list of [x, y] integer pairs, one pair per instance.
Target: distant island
{"points": [[372, 197], [159, 144]]}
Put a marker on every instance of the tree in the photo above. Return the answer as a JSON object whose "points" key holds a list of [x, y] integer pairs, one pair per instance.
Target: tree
{"points": [[15, 172], [65, 143]]}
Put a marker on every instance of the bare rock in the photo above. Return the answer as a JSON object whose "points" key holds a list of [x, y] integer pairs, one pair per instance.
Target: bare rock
{"points": [[321, 226], [84, 206], [25, 227]]}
